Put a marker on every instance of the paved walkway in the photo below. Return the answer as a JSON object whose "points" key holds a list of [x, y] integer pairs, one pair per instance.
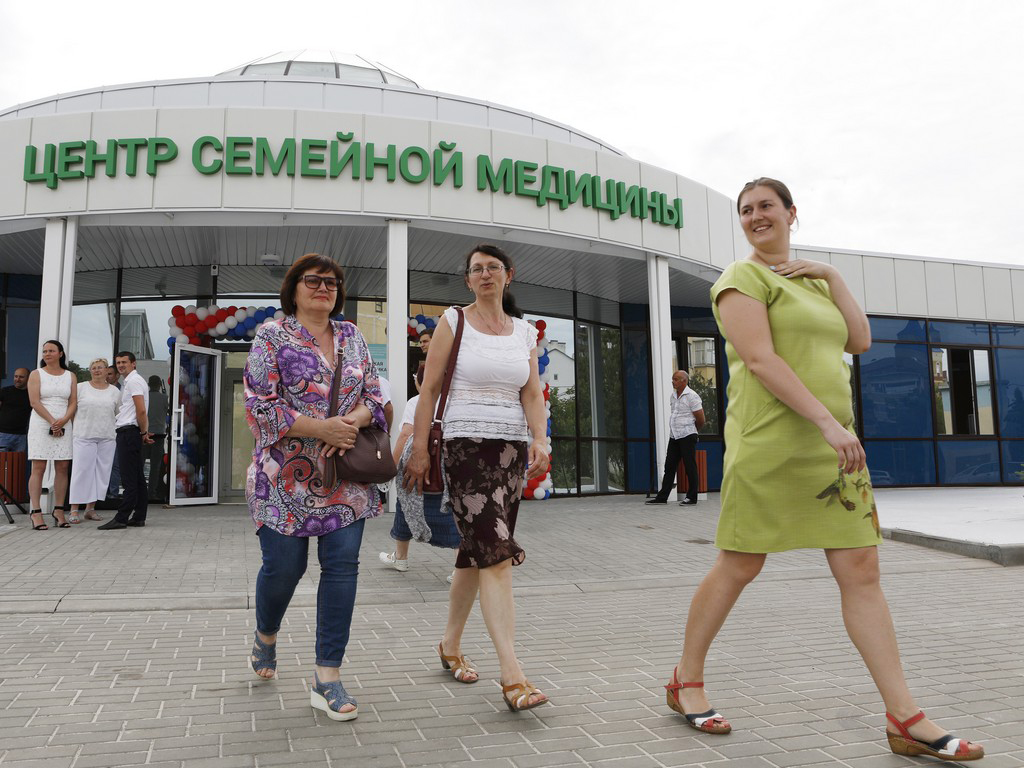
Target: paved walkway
{"points": [[129, 648]]}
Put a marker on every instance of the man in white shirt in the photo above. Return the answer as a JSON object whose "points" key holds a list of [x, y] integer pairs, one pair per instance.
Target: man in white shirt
{"points": [[132, 432], [687, 418]]}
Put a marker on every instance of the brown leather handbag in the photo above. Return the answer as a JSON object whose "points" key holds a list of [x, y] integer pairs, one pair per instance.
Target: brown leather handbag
{"points": [[435, 480], [369, 460]]}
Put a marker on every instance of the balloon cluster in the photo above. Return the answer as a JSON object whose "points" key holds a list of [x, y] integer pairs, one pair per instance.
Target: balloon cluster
{"points": [[539, 488], [201, 325], [419, 324]]}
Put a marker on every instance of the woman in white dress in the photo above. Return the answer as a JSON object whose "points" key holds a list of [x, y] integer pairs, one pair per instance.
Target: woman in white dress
{"points": [[54, 398], [94, 441]]}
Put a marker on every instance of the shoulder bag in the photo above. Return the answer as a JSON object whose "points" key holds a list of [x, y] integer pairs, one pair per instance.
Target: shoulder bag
{"points": [[369, 460], [435, 480]]}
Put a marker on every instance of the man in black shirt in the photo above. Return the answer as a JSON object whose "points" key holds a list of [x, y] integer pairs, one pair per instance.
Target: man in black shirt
{"points": [[14, 413]]}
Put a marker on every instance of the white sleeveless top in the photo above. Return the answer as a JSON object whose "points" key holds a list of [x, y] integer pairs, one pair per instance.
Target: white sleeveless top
{"points": [[96, 411], [490, 371]]}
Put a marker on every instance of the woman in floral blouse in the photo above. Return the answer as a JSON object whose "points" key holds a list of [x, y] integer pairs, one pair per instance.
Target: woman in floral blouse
{"points": [[287, 386]]}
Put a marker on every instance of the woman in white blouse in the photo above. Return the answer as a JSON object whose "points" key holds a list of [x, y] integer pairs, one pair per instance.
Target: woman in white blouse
{"points": [[495, 398], [94, 441]]}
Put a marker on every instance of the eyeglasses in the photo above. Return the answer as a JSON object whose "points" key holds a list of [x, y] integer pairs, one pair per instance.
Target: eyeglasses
{"points": [[492, 269], [314, 281]]}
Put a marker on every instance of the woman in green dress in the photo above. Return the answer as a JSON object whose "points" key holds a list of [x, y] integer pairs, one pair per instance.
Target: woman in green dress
{"points": [[795, 472]]}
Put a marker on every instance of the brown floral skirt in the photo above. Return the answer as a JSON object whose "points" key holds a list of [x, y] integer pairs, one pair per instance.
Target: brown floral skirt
{"points": [[485, 482]]}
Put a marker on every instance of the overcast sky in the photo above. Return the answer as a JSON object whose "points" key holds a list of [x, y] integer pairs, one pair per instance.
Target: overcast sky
{"points": [[899, 126]]}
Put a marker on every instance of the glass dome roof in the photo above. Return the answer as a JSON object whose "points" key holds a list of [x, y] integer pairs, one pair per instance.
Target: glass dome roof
{"points": [[330, 65]]}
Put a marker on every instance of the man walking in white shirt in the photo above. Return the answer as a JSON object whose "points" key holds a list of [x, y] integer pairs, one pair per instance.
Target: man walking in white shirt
{"points": [[132, 432], [687, 418]]}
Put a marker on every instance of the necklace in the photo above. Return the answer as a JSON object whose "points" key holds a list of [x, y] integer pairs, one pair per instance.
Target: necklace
{"points": [[501, 330]]}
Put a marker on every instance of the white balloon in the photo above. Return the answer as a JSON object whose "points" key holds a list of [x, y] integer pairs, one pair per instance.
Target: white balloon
{"points": [[546, 484], [222, 328], [212, 332], [251, 333], [279, 315], [181, 338], [172, 322], [412, 322], [190, 309], [250, 311], [421, 327], [240, 315], [202, 313], [231, 321], [213, 309], [267, 321], [538, 493]]}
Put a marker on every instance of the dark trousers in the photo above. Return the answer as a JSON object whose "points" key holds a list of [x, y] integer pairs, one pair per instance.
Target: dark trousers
{"points": [[284, 562], [133, 478], [683, 449]]}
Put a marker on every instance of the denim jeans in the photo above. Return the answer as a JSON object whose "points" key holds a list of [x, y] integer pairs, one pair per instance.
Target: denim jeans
{"points": [[12, 442], [284, 563]]}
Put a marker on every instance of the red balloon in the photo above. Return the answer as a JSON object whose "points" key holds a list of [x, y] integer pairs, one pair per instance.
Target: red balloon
{"points": [[541, 325], [177, 310], [193, 340], [540, 335], [232, 309]]}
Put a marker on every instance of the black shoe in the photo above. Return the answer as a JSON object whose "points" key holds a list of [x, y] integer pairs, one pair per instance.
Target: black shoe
{"points": [[656, 500], [136, 523], [113, 525], [687, 502]]}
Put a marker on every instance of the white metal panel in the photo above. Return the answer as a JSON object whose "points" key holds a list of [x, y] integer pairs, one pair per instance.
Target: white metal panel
{"points": [[547, 130], [803, 253], [740, 245], [268, 190], [970, 291], [911, 289], [343, 193], [14, 137], [410, 104], [69, 195], [514, 209], [236, 94], [881, 287], [579, 140], [79, 102], [455, 111], [576, 219], [124, 191], [128, 98], [659, 237], [399, 197], [625, 229], [852, 270], [694, 238], [504, 120], [42, 108], [353, 98], [939, 279], [288, 95], [178, 184], [720, 225], [998, 294], [1017, 286], [182, 95], [446, 201]]}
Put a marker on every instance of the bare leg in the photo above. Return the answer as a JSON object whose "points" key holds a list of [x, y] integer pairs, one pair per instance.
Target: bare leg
{"points": [[401, 550], [35, 482], [709, 609], [869, 625], [461, 597], [499, 612], [60, 487]]}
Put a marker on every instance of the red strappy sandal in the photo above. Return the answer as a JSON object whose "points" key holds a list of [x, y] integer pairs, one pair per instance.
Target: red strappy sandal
{"points": [[706, 722], [949, 747]]}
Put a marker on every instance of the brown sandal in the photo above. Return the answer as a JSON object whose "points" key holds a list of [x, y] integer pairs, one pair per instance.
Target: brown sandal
{"points": [[460, 666], [90, 514], [705, 722], [948, 747], [521, 700]]}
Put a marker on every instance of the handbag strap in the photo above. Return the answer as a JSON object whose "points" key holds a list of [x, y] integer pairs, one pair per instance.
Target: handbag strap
{"points": [[336, 379], [450, 370]]}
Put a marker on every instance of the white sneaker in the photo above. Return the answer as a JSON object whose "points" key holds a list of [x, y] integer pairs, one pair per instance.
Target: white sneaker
{"points": [[451, 576], [388, 558]]}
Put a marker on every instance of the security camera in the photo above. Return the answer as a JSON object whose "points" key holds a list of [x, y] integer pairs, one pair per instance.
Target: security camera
{"points": [[214, 270], [271, 260]]}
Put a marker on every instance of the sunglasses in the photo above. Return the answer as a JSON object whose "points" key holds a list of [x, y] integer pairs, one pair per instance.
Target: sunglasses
{"points": [[314, 281]]}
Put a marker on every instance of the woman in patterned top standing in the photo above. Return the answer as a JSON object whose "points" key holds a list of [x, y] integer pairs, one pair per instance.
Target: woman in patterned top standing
{"points": [[288, 380], [495, 397]]}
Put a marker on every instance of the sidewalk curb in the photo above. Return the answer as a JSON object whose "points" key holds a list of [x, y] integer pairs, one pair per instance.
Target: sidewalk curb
{"points": [[1001, 554]]}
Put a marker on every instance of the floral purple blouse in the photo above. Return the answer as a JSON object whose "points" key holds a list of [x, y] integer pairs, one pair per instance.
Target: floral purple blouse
{"points": [[287, 375]]}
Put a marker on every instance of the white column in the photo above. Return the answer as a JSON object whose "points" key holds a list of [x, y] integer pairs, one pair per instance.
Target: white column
{"points": [[398, 315], [58, 281], [661, 356]]}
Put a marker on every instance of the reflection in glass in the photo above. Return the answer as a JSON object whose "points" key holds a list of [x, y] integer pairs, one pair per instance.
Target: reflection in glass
{"points": [[194, 460], [700, 352], [963, 391], [92, 334], [900, 462], [563, 466], [895, 390], [1010, 391], [602, 466], [599, 377], [968, 462]]}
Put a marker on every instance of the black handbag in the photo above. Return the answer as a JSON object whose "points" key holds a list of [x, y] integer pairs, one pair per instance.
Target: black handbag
{"points": [[369, 460]]}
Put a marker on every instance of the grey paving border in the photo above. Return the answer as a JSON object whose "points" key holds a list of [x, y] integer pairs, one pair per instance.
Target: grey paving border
{"points": [[1002, 554]]}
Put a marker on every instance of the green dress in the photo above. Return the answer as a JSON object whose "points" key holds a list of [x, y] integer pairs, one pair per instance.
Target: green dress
{"points": [[782, 488]]}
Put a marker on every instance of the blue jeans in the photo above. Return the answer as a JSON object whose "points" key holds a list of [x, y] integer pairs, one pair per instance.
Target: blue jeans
{"points": [[11, 442], [284, 563]]}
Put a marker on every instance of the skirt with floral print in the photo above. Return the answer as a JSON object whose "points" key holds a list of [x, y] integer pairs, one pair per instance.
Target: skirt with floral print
{"points": [[485, 483]]}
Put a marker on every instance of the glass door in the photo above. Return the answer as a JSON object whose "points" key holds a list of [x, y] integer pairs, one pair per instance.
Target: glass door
{"points": [[194, 438], [236, 438]]}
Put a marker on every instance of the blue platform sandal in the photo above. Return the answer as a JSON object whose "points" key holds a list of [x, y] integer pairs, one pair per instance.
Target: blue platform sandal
{"points": [[329, 698], [263, 656]]}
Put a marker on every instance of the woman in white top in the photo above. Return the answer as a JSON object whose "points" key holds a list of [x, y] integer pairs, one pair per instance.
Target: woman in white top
{"points": [[94, 442], [52, 394], [495, 396]]}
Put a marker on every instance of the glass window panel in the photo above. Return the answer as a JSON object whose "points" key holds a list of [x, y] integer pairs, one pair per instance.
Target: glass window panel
{"points": [[983, 392], [896, 391], [24, 289], [396, 80], [949, 332], [144, 332], [700, 353], [900, 462], [597, 309], [599, 380], [637, 383], [312, 68], [559, 343], [1008, 335], [602, 466], [968, 462], [563, 466], [92, 334], [1010, 391], [943, 392], [359, 74], [1013, 461], [963, 391], [273, 68], [896, 329]]}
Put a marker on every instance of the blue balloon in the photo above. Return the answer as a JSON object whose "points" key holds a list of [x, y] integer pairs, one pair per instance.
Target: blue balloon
{"points": [[260, 315], [170, 341], [547, 494], [421, 319], [430, 322], [544, 359], [271, 310], [250, 323]]}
